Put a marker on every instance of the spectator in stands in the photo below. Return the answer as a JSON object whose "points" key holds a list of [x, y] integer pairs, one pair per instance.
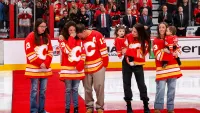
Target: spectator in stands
{"points": [[81, 3], [6, 12], [161, 3], [194, 4], [109, 5], [133, 3], [46, 8], [104, 23], [65, 7], [83, 17], [25, 15], [181, 22], [146, 6], [172, 6], [57, 9], [96, 5], [148, 2], [185, 6], [39, 10], [73, 9], [89, 13], [146, 20], [115, 15], [129, 20], [2, 14], [197, 14], [64, 20], [122, 6], [135, 12], [97, 13], [164, 16], [130, 4]]}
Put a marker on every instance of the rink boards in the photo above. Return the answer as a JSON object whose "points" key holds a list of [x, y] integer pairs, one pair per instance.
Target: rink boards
{"points": [[13, 55]]}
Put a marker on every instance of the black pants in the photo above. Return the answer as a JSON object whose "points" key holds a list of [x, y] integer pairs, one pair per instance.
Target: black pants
{"points": [[127, 71]]}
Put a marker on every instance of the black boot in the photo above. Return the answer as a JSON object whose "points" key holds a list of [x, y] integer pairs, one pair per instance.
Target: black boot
{"points": [[146, 107], [129, 107], [76, 110], [67, 111]]}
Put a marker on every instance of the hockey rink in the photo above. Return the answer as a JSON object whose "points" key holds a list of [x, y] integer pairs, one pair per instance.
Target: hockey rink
{"points": [[187, 90]]}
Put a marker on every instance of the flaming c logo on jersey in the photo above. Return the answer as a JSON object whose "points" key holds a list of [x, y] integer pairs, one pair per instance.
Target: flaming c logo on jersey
{"points": [[56, 50]]}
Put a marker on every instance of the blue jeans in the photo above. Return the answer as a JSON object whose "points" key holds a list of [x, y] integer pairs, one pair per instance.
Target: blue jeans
{"points": [[33, 97], [71, 87], [160, 92]]}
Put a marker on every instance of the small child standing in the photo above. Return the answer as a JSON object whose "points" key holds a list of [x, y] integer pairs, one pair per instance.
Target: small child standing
{"points": [[121, 42], [171, 43]]}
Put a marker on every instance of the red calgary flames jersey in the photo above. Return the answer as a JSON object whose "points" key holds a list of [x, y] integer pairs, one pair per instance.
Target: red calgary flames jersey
{"points": [[96, 52], [120, 43], [36, 55], [172, 69], [72, 54], [134, 50], [171, 41]]}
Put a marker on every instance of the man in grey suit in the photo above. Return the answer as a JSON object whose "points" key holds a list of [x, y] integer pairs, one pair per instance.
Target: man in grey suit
{"points": [[146, 21]]}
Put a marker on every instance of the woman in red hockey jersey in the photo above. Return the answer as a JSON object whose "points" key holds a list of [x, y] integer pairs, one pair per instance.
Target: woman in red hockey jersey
{"points": [[39, 54], [72, 63], [138, 42], [167, 75]]}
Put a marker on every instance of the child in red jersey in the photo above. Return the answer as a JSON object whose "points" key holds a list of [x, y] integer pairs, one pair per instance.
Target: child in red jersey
{"points": [[121, 41], [171, 42]]}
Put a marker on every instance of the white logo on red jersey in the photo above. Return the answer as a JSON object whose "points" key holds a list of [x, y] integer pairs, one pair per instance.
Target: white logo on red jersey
{"points": [[74, 52], [41, 51], [89, 48]]}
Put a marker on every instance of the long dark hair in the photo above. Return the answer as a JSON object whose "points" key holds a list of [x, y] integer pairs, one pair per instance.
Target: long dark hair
{"points": [[44, 35], [142, 36], [166, 25], [65, 32]]}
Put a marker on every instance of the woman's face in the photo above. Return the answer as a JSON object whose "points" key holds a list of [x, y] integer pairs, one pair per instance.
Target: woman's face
{"points": [[42, 27], [71, 30], [162, 29], [134, 32]]}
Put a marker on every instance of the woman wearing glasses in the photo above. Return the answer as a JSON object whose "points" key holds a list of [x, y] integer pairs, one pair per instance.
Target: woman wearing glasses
{"points": [[39, 54]]}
